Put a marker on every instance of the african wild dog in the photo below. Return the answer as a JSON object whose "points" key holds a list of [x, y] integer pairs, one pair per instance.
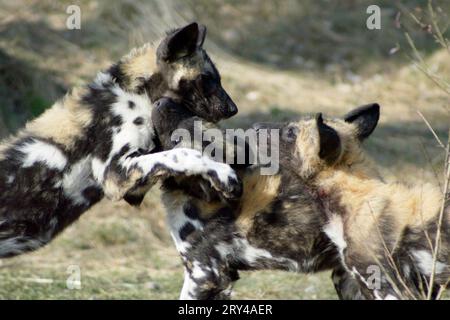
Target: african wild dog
{"points": [[99, 141], [327, 208]]}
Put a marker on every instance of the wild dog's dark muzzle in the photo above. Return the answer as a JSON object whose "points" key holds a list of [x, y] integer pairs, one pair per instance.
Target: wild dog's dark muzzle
{"points": [[159, 104], [228, 107], [166, 115], [232, 108]]}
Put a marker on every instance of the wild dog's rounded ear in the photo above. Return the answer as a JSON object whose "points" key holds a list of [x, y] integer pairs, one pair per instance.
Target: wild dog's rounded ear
{"points": [[201, 35], [181, 43], [330, 143], [365, 118]]}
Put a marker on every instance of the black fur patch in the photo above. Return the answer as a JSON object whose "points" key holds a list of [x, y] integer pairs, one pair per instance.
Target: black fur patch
{"points": [[134, 199], [139, 121], [93, 194], [187, 229], [117, 73], [116, 121], [191, 211]]}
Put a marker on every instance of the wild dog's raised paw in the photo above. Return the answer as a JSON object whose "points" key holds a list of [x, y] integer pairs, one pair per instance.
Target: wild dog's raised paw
{"points": [[221, 176], [224, 179], [187, 162]]}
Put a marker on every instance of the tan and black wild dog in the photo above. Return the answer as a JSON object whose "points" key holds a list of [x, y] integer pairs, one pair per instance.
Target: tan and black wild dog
{"points": [[326, 208], [99, 141]]}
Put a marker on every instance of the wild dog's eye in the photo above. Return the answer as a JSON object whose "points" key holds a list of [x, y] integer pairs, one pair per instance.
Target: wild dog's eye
{"points": [[207, 84], [184, 86]]}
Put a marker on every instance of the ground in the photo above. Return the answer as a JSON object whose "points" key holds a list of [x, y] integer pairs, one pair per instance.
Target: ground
{"points": [[278, 61]]}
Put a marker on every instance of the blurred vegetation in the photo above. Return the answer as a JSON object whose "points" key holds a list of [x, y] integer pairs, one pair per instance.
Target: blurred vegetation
{"points": [[316, 36], [279, 60]]}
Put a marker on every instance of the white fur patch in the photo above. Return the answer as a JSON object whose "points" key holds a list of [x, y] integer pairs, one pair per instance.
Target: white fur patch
{"points": [[189, 162], [406, 270], [98, 169], [424, 260], [197, 271], [177, 219], [102, 79], [135, 136], [188, 286], [78, 179], [243, 250], [252, 254], [223, 249], [335, 231], [38, 151]]}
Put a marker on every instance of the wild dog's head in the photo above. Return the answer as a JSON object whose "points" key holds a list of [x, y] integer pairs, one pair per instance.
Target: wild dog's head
{"points": [[310, 146], [169, 116], [182, 71], [176, 126]]}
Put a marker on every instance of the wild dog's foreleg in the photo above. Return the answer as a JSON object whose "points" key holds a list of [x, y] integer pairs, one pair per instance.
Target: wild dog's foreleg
{"points": [[129, 170], [378, 281], [204, 247], [347, 287], [210, 280]]}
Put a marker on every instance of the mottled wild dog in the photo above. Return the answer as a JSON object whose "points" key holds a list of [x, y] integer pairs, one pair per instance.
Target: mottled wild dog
{"points": [[327, 208], [99, 141]]}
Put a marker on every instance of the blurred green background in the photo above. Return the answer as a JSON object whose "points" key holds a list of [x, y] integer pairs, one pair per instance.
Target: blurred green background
{"points": [[279, 60]]}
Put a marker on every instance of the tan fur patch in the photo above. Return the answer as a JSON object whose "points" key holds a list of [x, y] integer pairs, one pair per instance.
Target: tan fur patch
{"points": [[5, 145], [259, 192], [207, 209], [187, 69], [307, 148], [139, 63], [64, 122], [115, 188], [367, 200], [363, 198]]}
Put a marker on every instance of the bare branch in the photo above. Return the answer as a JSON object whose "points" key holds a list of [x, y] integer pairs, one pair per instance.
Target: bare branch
{"points": [[431, 129]]}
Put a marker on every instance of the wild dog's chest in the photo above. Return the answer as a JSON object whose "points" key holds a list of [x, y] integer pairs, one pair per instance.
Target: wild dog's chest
{"points": [[131, 121], [125, 125]]}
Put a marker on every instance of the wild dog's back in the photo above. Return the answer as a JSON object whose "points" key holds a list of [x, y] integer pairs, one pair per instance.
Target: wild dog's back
{"points": [[37, 174]]}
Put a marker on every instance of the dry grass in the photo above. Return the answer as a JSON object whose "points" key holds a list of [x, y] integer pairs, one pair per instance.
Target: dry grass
{"points": [[276, 64]]}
